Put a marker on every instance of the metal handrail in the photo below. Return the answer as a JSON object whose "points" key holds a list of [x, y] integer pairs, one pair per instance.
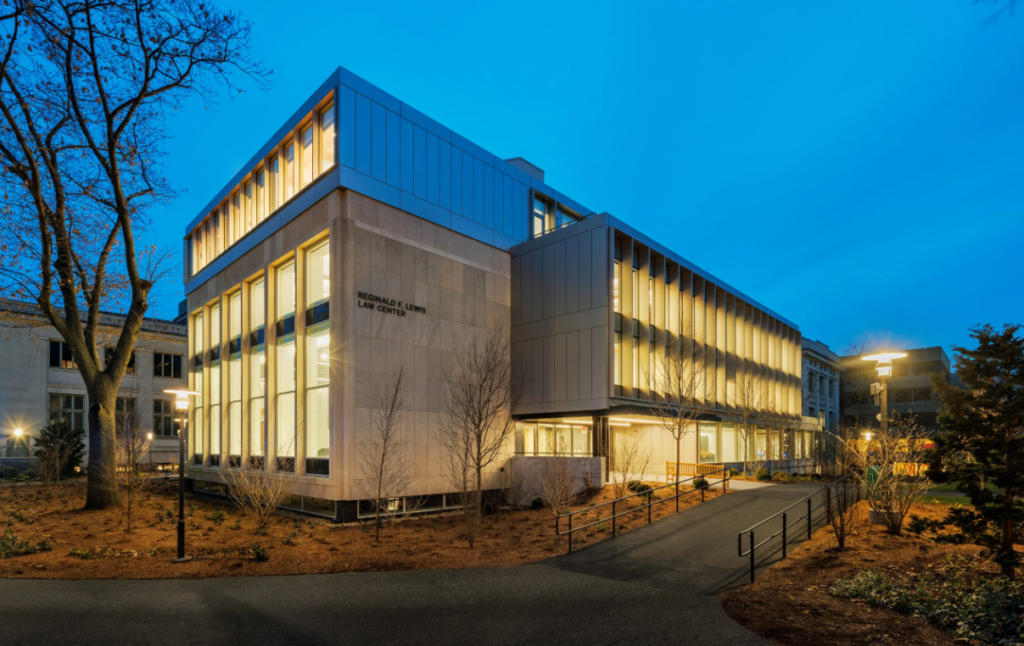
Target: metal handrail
{"points": [[829, 490], [651, 502]]}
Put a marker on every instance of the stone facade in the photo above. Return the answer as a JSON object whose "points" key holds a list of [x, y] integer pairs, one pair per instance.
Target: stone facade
{"points": [[27, 380]]}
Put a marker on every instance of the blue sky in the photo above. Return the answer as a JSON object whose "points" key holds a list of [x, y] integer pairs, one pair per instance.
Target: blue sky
{"points": [[859, 168]]}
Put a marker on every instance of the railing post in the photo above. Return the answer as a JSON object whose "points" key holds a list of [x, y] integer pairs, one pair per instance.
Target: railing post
{"points": [[677, 495], [783, 534], [702, 493], [570, 533], [810, 511], [613, 518], [752, 566]]}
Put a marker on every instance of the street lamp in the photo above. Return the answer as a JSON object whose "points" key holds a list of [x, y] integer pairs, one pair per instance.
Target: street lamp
{"points": [[883, 363], [181, 404], [149, 438]]}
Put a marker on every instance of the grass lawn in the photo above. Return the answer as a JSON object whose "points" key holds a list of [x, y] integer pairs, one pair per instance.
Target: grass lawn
{"points": [[946, 500], [44, 533]]}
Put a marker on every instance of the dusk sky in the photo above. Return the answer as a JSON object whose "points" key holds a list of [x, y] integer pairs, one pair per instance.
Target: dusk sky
{"points": [[857, 168]]}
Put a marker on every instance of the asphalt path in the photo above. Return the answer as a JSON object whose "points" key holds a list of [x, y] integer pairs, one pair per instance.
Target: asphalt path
{"points": [[652, 585]]}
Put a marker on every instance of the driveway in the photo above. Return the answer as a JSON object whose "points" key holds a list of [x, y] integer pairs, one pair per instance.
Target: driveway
{"points": [[652, 585]]}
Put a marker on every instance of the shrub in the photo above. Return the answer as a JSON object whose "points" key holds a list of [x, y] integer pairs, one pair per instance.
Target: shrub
{"points": [[10, 545], [763, 475], [634, 485], [957, 598], [217, 516], [537, 504], [700, 483], [258, 552], [82, 554], [733, 473], [60, 449]]}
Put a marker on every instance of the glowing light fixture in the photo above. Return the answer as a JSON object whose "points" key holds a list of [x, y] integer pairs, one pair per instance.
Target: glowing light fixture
{"points": [[884, 361], [18, 432], [578, 421]]}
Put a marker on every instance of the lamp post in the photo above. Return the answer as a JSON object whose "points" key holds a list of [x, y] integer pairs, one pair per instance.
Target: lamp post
{"points": [[149, 438], [181, 404], [883, 363]]}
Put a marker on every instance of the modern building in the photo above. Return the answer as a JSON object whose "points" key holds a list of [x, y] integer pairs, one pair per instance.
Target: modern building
{"points": [[822, 384], [910, 388], [364, 237], [39, 382]]}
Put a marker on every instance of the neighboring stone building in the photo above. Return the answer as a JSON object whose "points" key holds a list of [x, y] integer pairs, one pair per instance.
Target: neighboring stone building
{"points": [[822, 384], [39, 381], [910, 387]]}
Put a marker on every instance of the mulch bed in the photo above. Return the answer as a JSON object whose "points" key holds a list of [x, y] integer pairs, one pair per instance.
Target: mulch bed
{"points": [[790, 603], [222, 542]]}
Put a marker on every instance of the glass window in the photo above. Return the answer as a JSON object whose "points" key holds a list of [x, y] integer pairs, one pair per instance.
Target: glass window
{"points": [[167, 366], [289, 170], [197, 442], [285, 290], [615, 286], [306, 152], [273, 199], [709, 449], [327, 137], [60, 355], [215, 386], [761, 444], [250, 205], [729, 453], [236, 216], [317, 404], [235, 315], [257, 305], [318, 270], [257, 418], [68, 408], [286, 400], [165, 421], [197, 241], [261, 196], [197, 335], [540, 216]]}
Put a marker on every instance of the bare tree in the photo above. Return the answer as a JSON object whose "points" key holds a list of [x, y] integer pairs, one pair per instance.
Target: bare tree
{"points": [[477, 424], [558, 483], [628, 462], [749, 404], [85, 88], [257, 492], [132, 443], [893, 464], [385, 463], [842, 511], [686, 396]]}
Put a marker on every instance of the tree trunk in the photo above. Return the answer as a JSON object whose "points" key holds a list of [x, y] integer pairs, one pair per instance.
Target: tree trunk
{"points": [[102, 492], [1008, 565], [679, 442]]}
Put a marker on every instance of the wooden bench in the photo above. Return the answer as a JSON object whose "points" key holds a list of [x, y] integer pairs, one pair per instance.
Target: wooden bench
{"points": [[690, 469]]}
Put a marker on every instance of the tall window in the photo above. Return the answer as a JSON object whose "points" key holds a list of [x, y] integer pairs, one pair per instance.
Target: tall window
{"points": [[289, 170], [257, 375], [215, 386], [250, 206], [709, 444], [617, 308], [167, 366], [238, 223], [69, 409], [318, 348], [60, 355], [274, 199], [165, 422], [261, 196], [234, 448], [327, 137], [230, 234], [197, 410], [285, 363], [306, 165]]}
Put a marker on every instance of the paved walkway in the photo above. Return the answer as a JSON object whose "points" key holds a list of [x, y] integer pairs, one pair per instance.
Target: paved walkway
{"points": [[648, 586]]}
